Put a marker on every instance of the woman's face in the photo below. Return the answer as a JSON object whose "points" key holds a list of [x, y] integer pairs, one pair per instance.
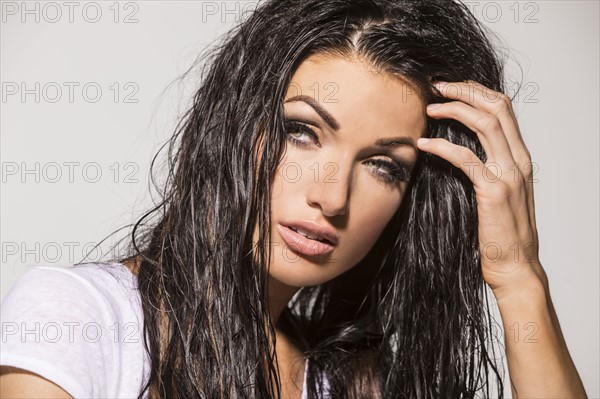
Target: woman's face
{"points": [[333, 173]]}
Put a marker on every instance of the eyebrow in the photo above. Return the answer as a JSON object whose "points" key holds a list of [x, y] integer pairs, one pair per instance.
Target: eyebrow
{"points": [[396, 142], [334, 124], [327, 117]]}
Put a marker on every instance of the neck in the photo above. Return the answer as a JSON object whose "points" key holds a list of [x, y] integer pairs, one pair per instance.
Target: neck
{"points": [[279, 296], [288, 355]]}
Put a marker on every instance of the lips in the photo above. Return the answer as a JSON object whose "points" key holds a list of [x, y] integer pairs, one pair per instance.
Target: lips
{"points": [[313, 231], [310, 235], [298, 237]]}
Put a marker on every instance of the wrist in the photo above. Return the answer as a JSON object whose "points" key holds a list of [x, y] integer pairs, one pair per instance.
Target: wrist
{"points": [[528, 285]]}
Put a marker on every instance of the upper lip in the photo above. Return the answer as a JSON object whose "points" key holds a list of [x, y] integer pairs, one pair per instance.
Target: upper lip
{"points": [[325, 232]]}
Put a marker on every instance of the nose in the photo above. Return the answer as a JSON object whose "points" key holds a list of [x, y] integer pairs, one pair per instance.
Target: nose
{"points": [[330, 189]]}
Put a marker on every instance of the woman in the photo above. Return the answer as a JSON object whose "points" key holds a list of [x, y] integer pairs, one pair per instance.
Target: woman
{"points": [[309, 245]]}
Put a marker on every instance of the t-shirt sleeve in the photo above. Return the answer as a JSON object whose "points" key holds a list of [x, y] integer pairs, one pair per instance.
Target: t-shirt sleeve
{"points": [[58, 326]]}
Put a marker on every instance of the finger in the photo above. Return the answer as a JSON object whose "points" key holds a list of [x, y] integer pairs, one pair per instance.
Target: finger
{"points": [[485, 125], [502, 106], [498, 104], [495, 103], [461, 157]]}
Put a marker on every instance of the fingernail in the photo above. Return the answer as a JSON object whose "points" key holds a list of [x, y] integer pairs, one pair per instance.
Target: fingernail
{"points": [[434, 106], [439, 83], [422, 141]]}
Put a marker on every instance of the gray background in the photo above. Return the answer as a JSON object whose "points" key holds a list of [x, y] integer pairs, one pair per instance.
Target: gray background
{"points": [[89, 154]]}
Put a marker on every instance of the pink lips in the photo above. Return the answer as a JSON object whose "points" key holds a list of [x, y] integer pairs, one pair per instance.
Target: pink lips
{"points": [[303, 244]]}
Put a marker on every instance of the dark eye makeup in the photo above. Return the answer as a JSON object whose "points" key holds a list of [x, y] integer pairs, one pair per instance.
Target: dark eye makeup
{"points": [[395, 171]]}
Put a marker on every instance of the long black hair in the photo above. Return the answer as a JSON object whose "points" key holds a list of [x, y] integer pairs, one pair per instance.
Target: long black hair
{"points": [[412, 318]]}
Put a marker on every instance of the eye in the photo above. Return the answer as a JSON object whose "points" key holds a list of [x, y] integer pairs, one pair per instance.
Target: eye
{"points": [[295, 129], [393, 171], [388, 172]]}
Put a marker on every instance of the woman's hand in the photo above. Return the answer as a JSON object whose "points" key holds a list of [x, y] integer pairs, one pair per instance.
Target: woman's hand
{"points": [[503, 185], [539, 366]]}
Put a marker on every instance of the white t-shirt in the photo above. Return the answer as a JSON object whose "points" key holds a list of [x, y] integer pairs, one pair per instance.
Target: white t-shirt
{"points": [[81, 328]]}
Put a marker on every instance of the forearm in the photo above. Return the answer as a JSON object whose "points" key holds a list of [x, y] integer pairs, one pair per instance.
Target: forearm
{"points": [[539, 362]]}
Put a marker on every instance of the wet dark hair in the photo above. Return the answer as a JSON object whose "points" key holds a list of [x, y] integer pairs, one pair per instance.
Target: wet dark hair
{"points": [[411, 319]]}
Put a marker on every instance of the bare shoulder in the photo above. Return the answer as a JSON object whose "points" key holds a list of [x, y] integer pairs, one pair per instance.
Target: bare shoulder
{"points": [[19, 383], [133, 264]]}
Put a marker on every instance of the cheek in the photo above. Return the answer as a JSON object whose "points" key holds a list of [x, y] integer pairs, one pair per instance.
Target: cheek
{"points": [[285, 193], [368, 222]]}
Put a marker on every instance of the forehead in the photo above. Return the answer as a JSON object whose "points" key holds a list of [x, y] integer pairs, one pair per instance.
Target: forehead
{"points": [[358, 97]]}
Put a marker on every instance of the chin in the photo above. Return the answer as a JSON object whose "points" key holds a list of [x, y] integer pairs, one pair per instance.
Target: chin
{"points": [[298, 274]]}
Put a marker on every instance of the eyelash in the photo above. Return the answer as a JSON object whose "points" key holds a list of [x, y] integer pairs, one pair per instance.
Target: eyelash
{"points": [[398, 171]]}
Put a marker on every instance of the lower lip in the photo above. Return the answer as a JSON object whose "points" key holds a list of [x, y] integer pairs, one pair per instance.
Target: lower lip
{"points": [[302, 244]]}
